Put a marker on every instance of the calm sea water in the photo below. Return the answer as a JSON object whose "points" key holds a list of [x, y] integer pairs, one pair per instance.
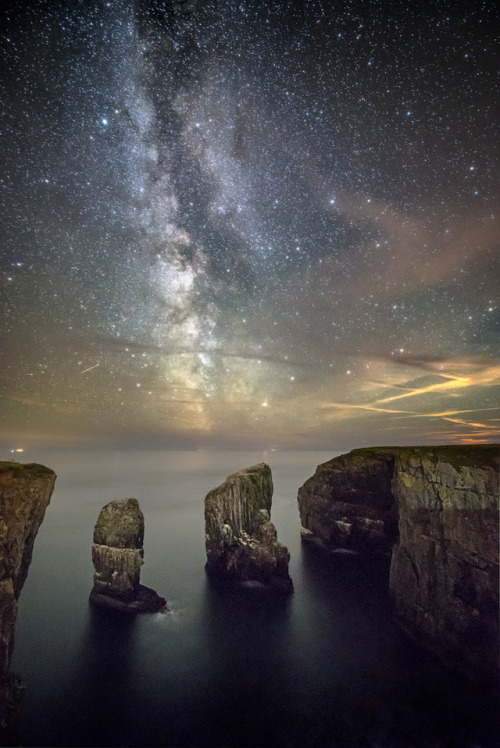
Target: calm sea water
{"points": [[326, 667]]}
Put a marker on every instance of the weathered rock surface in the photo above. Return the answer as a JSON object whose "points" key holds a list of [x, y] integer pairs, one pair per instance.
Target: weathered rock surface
{"points": [[240, 539], [25, 492], [117, 554], [444, 569], [444, 576], [348, 502]]}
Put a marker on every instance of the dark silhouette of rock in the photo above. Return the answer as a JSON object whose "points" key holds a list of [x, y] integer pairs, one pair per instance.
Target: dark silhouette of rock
{"points": [[240, 539], [117, 553], [25, 492], [435, 510]]}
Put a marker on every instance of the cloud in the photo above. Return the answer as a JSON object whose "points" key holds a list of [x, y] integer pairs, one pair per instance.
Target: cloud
{"points": [[417, 384], [419, 251], [478, 377]]}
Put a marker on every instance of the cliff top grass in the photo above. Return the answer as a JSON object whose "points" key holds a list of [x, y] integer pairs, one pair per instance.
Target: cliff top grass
{"points": [[255, 481], [24, 470], [457, 455], [120, 524]]}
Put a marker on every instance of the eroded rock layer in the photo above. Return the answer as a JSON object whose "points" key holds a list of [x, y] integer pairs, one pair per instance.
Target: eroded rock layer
{"points": [[240, 539], [444, 576], [117, 554]]}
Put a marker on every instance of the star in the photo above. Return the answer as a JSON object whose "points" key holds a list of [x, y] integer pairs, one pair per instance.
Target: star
{"points": [[204, 206]]}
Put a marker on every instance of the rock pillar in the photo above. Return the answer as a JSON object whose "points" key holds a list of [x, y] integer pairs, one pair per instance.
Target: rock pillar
{"points": [[240, 539], [117, 554]]}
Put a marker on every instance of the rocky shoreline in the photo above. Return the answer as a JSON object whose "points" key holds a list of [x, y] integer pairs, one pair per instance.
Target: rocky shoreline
{"points": [[433, 511]]}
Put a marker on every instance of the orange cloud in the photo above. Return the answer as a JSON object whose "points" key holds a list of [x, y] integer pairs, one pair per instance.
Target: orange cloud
{"points": [[482, 378]]}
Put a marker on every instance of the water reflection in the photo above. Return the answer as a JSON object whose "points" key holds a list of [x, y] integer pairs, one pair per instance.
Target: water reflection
{"points": [[99, 705], [324, 667], [248, 635], [374, 685]]}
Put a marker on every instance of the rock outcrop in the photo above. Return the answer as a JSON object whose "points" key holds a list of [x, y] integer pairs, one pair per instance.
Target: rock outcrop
{"points": [[436, 511], [117, 554], [25, 492], [348, 503], [240, 539]]}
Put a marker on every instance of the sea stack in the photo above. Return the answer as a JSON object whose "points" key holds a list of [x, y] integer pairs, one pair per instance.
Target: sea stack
{"points": [[240, 539], [25, 492], [435, 512], [117, 553]]}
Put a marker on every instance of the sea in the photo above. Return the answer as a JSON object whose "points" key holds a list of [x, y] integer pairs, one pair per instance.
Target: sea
{"points": [[327, 666]]}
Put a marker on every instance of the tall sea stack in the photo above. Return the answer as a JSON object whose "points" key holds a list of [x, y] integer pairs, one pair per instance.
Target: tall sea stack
{"points": [[435, 512], [240, 539], [117, 553], [25, 492]]}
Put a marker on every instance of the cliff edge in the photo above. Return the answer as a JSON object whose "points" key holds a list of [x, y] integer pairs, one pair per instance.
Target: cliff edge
{"points": [[25, 492], [435, 511]]}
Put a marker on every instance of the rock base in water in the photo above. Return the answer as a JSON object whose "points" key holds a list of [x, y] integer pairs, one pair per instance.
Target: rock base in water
{"points": [[146, 600], [241, 541]]}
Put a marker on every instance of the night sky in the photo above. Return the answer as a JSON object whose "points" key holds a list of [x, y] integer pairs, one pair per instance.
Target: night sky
{"points": [[244, 224]]}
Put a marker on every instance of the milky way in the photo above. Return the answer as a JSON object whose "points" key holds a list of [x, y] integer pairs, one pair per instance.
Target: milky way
{"points": [[248, 224]]}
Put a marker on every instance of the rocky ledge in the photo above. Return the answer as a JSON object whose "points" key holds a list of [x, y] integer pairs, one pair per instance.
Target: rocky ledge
{"points": [[435, 511], [25, 492], [117, 554], [240, 539]]}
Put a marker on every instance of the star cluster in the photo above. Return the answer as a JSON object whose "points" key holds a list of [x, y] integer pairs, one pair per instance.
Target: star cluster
{"points": [[234, 223]]}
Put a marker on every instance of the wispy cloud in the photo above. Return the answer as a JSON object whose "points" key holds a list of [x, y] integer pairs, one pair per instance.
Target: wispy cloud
{"points": [[416, 255], [483, 377], [422, 382]]}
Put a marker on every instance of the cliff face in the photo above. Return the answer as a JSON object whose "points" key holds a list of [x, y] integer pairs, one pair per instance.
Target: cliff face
{"points": [[25, 492], [444, 563], [117, 554], [444, 569], [240, 540], [348, 502]]}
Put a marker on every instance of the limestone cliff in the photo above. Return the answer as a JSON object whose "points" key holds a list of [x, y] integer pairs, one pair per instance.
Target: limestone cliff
{"points": [[25, 492], [444, 547], [240, 539], [117, 554]]}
